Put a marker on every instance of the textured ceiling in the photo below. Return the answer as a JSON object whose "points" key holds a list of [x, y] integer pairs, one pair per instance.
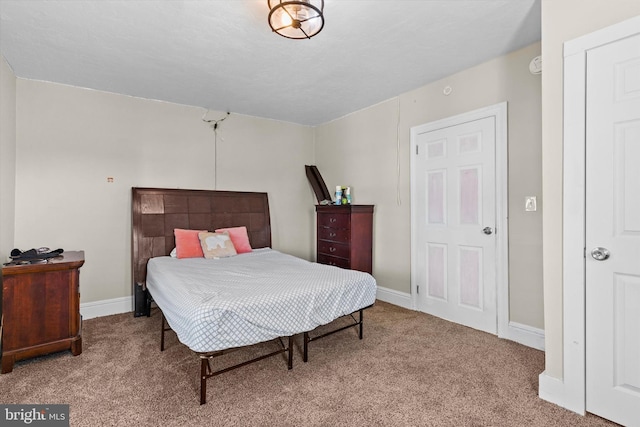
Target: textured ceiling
{"points": [[222, 55]]}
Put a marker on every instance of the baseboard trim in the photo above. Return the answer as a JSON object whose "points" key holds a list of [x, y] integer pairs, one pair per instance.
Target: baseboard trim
{"points": [[526, 335], [394, 297], [89, 310], [523, 334], [555, 391], [107, 307]]}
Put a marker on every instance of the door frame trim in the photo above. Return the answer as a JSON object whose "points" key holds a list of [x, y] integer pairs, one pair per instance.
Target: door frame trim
{"points": [[570, 392], [499, 112]]}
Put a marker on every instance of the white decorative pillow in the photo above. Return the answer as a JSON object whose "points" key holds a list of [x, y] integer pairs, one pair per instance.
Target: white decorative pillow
{"points": [[216, 245]]}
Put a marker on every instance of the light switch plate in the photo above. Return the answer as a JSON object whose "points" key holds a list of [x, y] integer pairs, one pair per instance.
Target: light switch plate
{"points": [[530, 204]]}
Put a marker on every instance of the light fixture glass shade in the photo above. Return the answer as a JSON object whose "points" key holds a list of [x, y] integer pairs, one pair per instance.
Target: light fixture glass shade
{"points": [[301, 19]]}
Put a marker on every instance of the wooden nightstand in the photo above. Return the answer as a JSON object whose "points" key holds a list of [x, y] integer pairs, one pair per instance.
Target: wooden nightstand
{"points": [[41, 309]]}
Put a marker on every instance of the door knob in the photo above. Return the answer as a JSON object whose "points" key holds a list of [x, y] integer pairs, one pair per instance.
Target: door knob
{"points": [[600, 254], [487, 230]]}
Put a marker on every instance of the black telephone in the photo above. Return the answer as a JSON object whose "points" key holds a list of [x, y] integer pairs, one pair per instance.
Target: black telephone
{"points": [[32, 256]]}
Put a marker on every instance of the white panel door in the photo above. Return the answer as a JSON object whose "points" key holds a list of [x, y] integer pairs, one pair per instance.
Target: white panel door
{"points": [[456, 245], [613, 231]]}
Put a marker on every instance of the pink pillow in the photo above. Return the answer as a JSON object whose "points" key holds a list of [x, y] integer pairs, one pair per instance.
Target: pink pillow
{"points": [[188, 243], [239, 238]]}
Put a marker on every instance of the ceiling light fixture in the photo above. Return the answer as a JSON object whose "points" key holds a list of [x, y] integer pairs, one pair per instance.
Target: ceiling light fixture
{"points": [[301, 19]]}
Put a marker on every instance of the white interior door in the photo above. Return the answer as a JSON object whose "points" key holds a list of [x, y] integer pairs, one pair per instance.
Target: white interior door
{"points": [[455, 220], [613, 231]]}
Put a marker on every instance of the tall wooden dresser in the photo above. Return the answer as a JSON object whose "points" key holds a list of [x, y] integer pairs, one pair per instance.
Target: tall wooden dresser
{"points": [[345, 236], [41, 309]]}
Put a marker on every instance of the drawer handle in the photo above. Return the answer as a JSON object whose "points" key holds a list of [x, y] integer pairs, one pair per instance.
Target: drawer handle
{"points": [[332, 220], [332, 234], [332, 249]]}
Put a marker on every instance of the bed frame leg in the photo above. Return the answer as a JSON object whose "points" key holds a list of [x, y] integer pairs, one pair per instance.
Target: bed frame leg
{"points": [[305, 351], [204, 364], [290, 361], [147, 302], [361, 324], [161, 331]]}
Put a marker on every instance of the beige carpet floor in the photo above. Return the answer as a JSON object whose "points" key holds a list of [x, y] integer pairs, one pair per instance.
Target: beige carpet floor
{"points": [[411, 369]]}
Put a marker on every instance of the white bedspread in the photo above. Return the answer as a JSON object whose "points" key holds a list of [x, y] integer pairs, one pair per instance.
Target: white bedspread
{"points": [[215, 304]]}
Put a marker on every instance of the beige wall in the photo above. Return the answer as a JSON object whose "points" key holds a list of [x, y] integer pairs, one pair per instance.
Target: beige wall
{"points": [[70, 140], [562, 20], [360, 150], [7, 157]]}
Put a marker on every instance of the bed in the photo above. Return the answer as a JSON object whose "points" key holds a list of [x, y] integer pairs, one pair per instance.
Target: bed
{"points": [[219, 305]]}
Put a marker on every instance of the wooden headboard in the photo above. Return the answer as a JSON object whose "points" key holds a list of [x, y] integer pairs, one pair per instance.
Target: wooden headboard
{"points": [[157, 211]]}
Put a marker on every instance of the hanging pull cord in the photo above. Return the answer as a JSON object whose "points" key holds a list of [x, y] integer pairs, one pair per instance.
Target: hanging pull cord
{"points": [[214, 125]]}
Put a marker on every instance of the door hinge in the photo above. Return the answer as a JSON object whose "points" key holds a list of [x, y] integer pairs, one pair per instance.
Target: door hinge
{"points": [[418, 289]]}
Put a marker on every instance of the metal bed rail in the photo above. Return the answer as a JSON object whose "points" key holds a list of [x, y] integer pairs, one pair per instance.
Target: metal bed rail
{"points": [[307, 338], [207, 372]]}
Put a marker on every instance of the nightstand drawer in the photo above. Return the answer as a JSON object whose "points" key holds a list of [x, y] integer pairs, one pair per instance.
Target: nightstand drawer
{"points": [[332, 248], [334, 220], [332, 260], [333, 234]]}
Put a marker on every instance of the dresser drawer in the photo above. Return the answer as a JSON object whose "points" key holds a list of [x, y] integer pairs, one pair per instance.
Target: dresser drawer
{"points": [[333, 234], [334, 220], [333, 248], [332, 260], [344, 236], [41, 309]]}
